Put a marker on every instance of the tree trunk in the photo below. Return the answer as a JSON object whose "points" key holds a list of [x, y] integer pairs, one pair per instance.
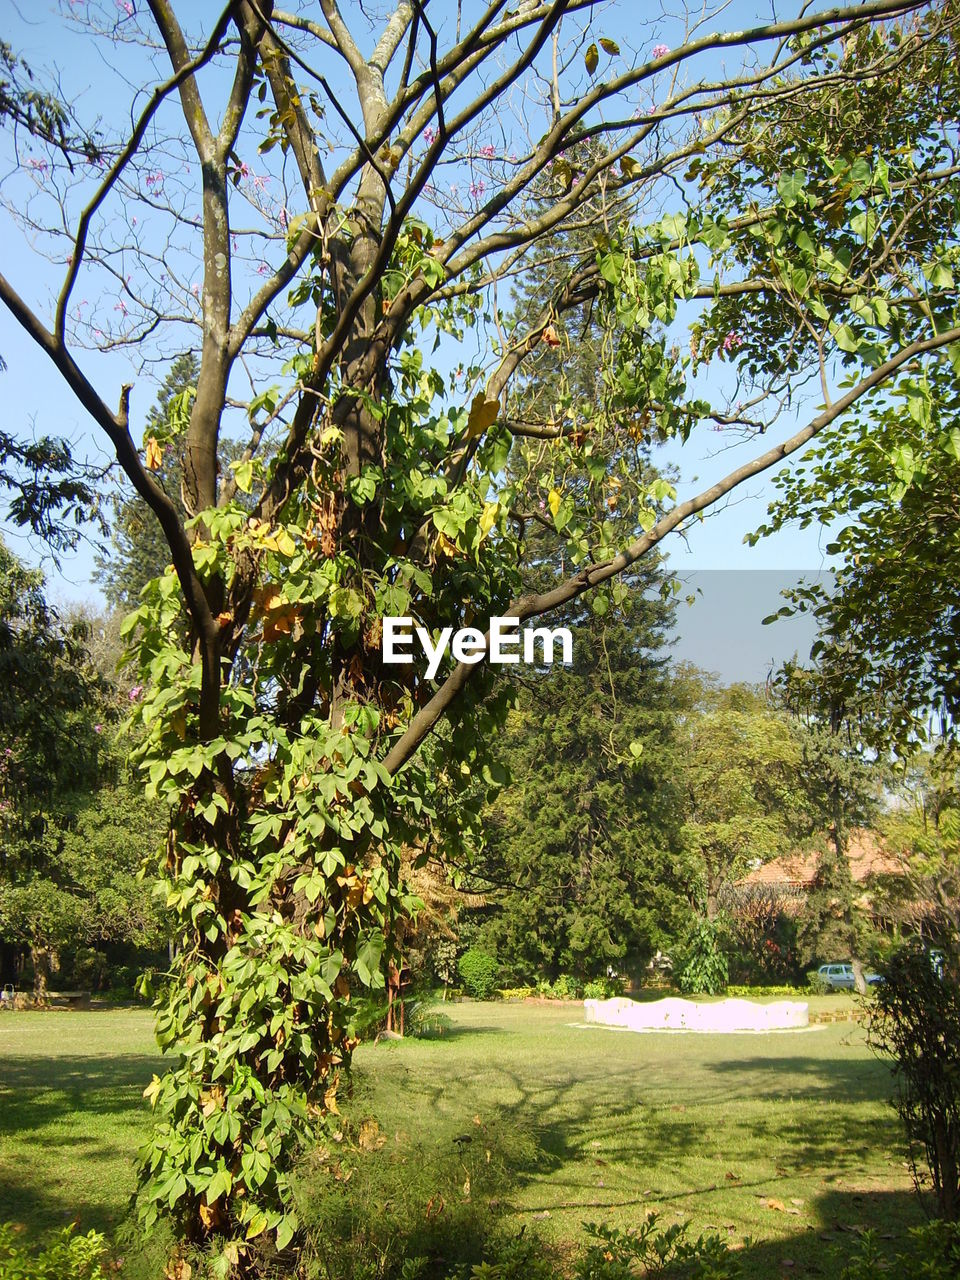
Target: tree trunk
{"points": [[41, 971], [859, 981]]}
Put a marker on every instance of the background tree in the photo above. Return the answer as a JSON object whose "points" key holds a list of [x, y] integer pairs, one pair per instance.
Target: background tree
{"points": [[583, 853], [74, 830], [924, 830], [741, 771], [843, 790], [138, 549], [297, 767]]}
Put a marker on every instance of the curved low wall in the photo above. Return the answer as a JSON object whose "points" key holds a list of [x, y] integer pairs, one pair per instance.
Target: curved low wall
{"points": [[673, 1014]]}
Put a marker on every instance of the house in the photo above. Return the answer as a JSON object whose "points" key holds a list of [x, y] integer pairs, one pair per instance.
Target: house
{"points": [[788, 879]]}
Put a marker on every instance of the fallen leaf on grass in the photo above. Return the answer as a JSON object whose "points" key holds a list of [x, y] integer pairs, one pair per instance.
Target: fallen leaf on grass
{"points": [[370, 1138]]}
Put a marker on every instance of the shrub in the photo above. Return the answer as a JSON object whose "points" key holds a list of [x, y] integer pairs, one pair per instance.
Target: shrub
{"points": [[68, 1257], [916, 1021], [704, 969], [384, 1205], [785, 992], [603, 988], [817, 985], [647, 1251], [516, 993], [934, 1255], [425, 1020], [565, 987], [479, 973]]}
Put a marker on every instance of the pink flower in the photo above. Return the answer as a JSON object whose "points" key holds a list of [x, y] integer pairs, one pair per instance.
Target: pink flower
{"points": [[263, 269], [98, 728], [39, 166], [195, 290], [659, 51], [155, 182], [488, 152], [243, 169], [429, 135], [135, 692], [478, 188], [732, 341]]}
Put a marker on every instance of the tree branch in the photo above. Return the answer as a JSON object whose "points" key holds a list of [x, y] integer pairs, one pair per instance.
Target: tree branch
{"points": [[592, 576]]}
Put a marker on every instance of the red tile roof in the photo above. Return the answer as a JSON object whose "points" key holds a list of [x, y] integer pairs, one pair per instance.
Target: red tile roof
{"points": [[866, 855]]}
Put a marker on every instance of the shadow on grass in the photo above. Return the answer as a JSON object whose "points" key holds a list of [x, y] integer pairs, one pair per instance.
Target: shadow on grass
{"points": [[608, 1145], [59, 1115], [852, 1080]]}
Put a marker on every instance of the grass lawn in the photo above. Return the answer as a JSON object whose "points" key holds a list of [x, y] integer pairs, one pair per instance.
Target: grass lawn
{"points": [[72, 1114], [784, 1138]]}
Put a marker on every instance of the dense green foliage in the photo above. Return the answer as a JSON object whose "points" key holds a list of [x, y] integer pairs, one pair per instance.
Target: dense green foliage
{"points": [[704, 970], [69, 1257], [934, 1252], [743, 786], [924, 830], [479, 972], [583, 848], [916, 1021], [75, 831]]}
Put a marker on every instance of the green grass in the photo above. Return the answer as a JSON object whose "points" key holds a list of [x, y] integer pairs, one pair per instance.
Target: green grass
{"points": [[72, 1114], [703, 1129]]}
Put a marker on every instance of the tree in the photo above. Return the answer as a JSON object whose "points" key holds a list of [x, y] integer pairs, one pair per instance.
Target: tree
{"points": [[924, 830], [888, 621], [74, 833], [842, 786], [139, 550], [742, 784], [583, 863], [297, 765]]}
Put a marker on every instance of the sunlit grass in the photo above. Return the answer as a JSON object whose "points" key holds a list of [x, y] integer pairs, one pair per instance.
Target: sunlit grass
{"points": [[785, 1138]]}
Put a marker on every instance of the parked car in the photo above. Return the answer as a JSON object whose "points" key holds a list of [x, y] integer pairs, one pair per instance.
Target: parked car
{"points": [[841, 976]]}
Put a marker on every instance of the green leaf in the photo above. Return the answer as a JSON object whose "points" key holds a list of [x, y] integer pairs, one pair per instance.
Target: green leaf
{"points": [[611, 266], [791, 187], [286, 1230], [845, 338], [243, 475]]}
